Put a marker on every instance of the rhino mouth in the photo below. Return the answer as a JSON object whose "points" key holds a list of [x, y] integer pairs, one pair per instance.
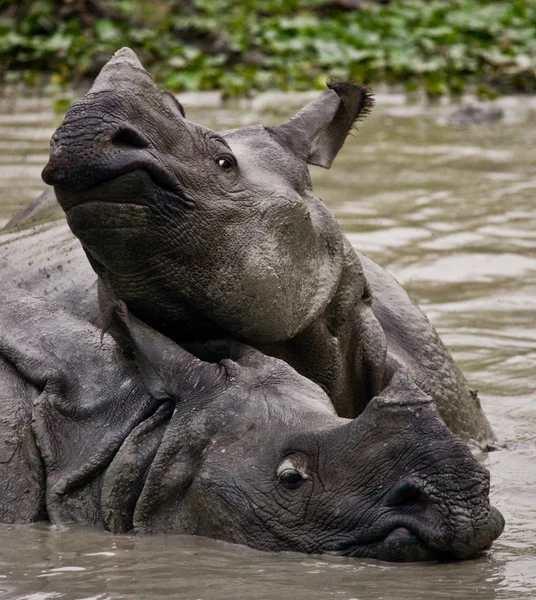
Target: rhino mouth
{"points": [[398, 545], [128, 202], [79, 183], [135, 187]]}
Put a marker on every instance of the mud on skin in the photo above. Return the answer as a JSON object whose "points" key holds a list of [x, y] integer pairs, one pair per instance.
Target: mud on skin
{"points": [[223, 441], [219, 439], [240, 246]]}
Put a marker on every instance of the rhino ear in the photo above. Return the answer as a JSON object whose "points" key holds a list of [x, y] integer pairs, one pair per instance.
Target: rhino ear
{"points": [[318, 131], [167, 370], [173, 103]]}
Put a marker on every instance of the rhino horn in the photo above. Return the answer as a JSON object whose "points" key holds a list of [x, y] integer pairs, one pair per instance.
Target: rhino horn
{"points": [[121, 71]]}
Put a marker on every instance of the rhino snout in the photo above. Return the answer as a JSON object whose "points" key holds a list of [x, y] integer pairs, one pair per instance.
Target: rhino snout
{"points": [[83, 156], [449, 513], [423, 521], [85, 152], [117, 128], [427, 496]]}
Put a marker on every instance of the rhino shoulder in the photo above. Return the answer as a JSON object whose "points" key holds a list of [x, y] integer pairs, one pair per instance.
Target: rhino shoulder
{"points": [[413, 342]]}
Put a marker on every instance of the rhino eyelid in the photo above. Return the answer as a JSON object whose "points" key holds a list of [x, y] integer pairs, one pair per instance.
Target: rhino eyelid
{"points": [[292, 478], [302, 473], [287, 466]]}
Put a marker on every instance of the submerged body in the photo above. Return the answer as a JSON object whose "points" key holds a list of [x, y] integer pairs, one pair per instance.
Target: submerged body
{"points": [[227, 443]]}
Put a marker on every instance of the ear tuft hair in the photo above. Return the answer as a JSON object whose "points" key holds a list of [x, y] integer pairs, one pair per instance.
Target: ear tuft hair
{"points": [[362, 104], [318, 131]]}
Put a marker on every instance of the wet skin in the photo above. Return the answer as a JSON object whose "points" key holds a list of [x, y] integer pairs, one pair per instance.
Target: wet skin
{"points": [[207, 234], [223, 441]]}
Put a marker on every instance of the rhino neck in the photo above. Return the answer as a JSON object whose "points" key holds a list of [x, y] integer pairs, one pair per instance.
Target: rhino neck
{"points": [[187, 324], [344, 349]]}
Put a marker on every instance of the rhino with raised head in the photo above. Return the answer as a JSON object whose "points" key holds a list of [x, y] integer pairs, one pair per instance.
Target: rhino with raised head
{"points": [[207, 234], [226, 443]]}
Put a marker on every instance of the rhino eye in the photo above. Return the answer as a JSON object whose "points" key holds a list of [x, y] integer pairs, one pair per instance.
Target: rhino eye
{"points": [[291, 479], [290, 475], [226, 161]]}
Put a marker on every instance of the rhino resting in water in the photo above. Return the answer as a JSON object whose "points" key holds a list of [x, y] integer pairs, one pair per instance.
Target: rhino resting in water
{"points": [[315, 428], [209, 234], [228, 443]]}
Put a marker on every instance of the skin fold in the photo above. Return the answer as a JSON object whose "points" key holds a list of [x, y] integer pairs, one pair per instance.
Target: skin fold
{"points": [[223, 441]]}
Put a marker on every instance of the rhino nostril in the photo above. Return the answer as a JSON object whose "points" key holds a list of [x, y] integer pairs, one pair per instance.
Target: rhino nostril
{"points": [[127, 136], [407, 494]]}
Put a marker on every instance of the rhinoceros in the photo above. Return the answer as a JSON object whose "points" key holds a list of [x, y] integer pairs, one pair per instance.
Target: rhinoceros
{"points": [[210, 234], [223, 441]]}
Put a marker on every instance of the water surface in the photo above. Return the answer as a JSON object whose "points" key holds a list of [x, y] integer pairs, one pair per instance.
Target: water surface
{"points": [[451, 212]]}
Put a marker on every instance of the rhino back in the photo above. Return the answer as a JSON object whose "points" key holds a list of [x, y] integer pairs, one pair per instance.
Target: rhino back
{"points": [[44, 259], [413, 343]]}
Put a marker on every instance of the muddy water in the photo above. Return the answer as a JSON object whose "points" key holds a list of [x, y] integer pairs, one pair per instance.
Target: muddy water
{"points": [[452, 213]]}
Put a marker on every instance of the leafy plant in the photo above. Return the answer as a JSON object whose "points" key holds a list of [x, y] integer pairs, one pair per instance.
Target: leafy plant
{"points": [[440, 45]]}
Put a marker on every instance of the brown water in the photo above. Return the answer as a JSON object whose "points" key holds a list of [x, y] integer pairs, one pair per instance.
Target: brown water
{"points": [[451, 212]]}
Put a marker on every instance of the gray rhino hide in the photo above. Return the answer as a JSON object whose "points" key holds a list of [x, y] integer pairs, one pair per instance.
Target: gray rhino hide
{"points": [[70, 406]]}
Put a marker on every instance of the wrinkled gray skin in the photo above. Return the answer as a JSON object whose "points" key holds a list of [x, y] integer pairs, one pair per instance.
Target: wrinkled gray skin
{"points": [[229, 444], [207, 234]]}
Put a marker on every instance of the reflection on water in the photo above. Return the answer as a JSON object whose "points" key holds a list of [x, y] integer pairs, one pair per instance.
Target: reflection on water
{"points": [[452, 213]]}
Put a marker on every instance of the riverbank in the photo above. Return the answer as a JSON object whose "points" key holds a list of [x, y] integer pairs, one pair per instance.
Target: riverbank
{"points": [[439, 46]]}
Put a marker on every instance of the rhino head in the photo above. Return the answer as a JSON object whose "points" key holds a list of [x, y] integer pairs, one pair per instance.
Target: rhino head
{"points": [[210, 234], [222, 441], [254, 454], [223, 224]]}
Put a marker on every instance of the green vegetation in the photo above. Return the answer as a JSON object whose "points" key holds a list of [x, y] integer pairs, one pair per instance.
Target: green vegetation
{"points": [[244, 45]]}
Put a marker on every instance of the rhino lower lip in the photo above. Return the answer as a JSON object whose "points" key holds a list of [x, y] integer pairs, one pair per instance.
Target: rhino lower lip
{"points": [[71, 198], [398, 542]]}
